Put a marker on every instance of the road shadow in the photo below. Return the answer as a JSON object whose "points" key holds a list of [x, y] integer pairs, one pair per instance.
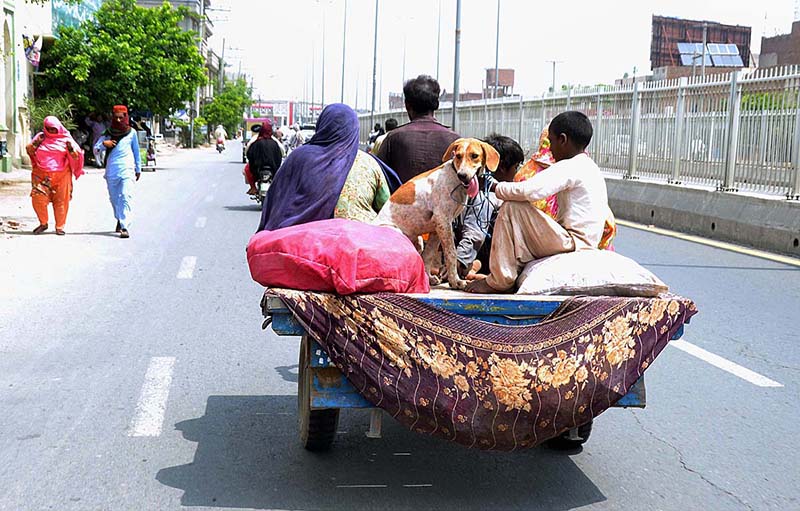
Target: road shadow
{"points": [[245, 207], [249, 456]]}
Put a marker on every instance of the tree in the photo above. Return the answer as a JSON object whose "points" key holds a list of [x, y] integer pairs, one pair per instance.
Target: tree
{"points": [[229, 105], [126, 55]]}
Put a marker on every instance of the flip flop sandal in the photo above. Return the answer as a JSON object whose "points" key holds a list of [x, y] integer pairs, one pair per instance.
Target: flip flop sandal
{"points": [[60, 232], [40, 229]]}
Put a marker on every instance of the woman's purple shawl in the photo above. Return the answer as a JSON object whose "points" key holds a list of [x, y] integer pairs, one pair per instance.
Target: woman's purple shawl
{"points": [[307, 186]]}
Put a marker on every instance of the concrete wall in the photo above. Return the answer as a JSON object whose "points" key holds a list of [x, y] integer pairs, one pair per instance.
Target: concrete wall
{"points": [[766, 224]]}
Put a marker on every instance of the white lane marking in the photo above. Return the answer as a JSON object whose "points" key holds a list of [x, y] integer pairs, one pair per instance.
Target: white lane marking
{"points": [[362, 486], [213, 185], [725, 364], [186, 270], [417, 486], [402, 454], [209, 198], [793, 261], [153, 400], [201, 222]]}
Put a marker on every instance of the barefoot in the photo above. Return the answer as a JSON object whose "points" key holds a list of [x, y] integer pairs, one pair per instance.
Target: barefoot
{"points": [[456, 283], [480, 286], [434, 280], [476, 276]]}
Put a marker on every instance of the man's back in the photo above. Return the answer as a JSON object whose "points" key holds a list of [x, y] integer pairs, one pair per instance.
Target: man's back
{"points": [[416, 147]]}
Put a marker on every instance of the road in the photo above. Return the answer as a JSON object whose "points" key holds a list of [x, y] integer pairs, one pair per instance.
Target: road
{"points": [[134, 374]]}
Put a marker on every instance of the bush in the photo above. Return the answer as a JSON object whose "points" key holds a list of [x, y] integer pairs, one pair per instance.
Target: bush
{"points": [[199, 124], [59, 106]]}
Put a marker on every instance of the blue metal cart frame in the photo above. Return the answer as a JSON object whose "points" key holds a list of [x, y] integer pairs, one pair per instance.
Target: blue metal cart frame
{"points": [[323, 390]]}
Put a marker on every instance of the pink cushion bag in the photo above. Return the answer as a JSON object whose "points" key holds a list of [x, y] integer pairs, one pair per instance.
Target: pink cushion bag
{"points": [[337, 256]]}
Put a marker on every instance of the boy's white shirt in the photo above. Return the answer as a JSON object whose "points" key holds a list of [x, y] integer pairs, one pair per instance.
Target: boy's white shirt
{"points": [[582, 196]]}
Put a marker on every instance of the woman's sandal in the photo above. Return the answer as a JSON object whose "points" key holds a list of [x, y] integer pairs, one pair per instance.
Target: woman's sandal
{"points": [[40, 229], [60, 232]]}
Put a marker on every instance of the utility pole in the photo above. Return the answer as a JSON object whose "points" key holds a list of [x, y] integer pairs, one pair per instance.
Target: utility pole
{"points": [[374, 66], [496, 51], [196, 110], [457, 69], [554, 62], [344, 46], [222, 66], [703, 64]]}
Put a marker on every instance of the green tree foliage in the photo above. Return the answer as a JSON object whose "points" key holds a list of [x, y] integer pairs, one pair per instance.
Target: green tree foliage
{"points": [[126, 55], [229, 105]]}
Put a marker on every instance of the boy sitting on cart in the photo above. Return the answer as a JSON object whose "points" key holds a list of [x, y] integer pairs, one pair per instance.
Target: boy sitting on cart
{"points": [[523, 233]]}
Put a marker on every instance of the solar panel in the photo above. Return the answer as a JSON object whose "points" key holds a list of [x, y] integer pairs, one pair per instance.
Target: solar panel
{"points": [[717, 54]]}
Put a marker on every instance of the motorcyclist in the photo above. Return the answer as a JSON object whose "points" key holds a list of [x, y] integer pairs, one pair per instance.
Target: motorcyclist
{"points": [[220, 134], [263, 155]]}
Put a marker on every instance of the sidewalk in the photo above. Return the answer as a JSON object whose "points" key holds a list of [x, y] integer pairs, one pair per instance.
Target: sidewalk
{"points": [[16, 212]]}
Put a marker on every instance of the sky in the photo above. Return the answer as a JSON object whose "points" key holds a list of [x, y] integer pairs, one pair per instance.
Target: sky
{"points": [[281, 45]]}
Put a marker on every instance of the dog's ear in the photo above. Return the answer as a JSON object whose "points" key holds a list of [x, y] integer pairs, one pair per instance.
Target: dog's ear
{"points": [[491, 157], [450, 150]]}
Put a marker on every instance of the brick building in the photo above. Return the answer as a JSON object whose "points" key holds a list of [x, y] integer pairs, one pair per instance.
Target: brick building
{"points": [[668, 32], [781, 50]]}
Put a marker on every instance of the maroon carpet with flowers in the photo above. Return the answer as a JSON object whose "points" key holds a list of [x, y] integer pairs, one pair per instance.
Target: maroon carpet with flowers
{"points": [[483, 385]]}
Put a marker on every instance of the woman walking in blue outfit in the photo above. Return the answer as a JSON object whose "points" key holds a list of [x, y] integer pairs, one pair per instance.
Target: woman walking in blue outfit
{"points": [[122, 164]]}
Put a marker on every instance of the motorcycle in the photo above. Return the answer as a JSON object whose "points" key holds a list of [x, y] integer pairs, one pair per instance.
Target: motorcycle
{"points": [[220, 145], [263, 185]]}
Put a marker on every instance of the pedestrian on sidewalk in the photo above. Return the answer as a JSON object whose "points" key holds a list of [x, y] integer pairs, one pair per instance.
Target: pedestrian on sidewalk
{"points": [[123, 165], [55, 157]]}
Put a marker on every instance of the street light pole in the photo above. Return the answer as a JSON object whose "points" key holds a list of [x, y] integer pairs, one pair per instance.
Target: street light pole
{"points": [[374, 66], [496, 51], [344, 46], [322, 105], [457, 69], [313, 78], [554, 62], [438, 40]]}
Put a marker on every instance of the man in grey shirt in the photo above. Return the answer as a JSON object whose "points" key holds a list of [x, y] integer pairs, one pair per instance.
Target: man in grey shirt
{"points": [[419, 145]]}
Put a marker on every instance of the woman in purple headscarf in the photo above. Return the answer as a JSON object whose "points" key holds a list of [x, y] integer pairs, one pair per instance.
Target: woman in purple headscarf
{"points": [[328, 177]]}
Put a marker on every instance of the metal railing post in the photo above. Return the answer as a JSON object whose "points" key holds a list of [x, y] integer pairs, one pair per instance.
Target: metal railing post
{"points": [[794, 194], [734, 106], [680, 109], [634, 142], [520, 118], [485, 115], [598, 126]]}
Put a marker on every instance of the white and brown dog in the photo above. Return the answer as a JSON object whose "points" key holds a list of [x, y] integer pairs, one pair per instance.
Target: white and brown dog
{"points": [[429, 202]]}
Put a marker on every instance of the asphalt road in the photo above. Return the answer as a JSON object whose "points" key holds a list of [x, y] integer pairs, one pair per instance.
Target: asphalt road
{"points": [[90, 325]]}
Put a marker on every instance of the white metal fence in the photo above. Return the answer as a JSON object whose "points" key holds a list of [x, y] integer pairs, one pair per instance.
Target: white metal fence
{"points": [[732, 131]]}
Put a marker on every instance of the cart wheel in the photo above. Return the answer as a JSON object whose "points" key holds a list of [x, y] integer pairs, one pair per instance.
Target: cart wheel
{"points": [[571, 439], [317, 427]]}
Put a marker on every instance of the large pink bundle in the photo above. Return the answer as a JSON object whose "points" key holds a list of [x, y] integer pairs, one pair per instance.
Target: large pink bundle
{"points": [[338, 256]]}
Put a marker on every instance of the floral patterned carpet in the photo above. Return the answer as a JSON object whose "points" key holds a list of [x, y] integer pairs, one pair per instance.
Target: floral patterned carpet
{"points": [[483, 385]]}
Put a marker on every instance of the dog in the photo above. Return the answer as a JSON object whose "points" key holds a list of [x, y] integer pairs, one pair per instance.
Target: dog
{"points": [[429, 203]]}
